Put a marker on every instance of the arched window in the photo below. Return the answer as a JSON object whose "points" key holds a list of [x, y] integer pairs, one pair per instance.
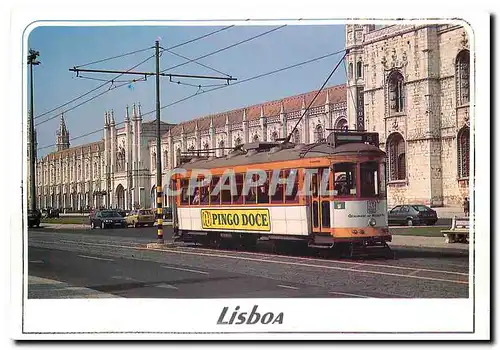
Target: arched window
{"points": [[396, 92], [396, 155], [463, 139], [274, 136], [221, 146], [350, 71], [462, 77], [296, 136], [153, 161], [177, 156], [318, 133], [359, 69], [255, 138], [341, 124], [165, 159]]}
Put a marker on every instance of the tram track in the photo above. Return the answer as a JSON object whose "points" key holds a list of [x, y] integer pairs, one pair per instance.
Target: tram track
{"points": [[324, 265]]}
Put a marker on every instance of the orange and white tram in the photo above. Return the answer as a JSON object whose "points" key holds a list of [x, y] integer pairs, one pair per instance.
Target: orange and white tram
{"points": [[326, 195]]}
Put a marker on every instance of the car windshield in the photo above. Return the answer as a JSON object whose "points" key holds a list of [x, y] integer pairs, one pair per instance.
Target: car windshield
{"points": [[109, 214], [420, 207]]}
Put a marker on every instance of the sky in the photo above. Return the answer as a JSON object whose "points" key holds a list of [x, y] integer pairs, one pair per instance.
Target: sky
{"points": [[62, 48]]}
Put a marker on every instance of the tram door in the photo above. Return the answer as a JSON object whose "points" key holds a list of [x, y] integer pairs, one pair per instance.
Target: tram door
{"points": [[320, 200]]}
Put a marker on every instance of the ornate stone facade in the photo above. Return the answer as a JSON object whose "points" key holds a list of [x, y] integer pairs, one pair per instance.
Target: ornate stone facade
{"points": [[414, 90], [113, 172]]}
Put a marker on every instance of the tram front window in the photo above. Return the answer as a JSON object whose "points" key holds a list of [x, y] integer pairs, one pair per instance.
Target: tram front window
{"points": [[370, 185], [344, 179]]}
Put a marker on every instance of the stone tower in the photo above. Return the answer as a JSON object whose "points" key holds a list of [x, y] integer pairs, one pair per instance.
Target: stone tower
{"points": [[355, 36], [62, 142]]}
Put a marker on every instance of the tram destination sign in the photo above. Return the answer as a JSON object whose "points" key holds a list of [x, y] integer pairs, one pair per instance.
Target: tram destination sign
{"points": [[236, 219]]}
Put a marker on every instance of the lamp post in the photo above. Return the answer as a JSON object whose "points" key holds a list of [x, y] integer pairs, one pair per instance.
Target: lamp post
{"points": [[32, 61]]}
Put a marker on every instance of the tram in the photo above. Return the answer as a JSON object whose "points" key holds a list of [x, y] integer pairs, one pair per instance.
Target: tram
{"points": [[330, 195]]}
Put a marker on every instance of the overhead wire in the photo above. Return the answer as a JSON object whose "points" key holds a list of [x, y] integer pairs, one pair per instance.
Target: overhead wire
{"points": [[199, 93], [250, 79], [226, 48], [107, 80], [317, 94], [354, 103], [102, 93], [198, 63], [87, 93], [100, 86], [117, 56]]}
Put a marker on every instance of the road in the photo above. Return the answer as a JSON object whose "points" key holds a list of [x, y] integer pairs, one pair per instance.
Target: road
{"points": [[115, 263]]}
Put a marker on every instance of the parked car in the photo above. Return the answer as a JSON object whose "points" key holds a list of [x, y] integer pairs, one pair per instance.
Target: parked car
{"points": [[51, 213], [167, 213], [412, 214], [141, 217], [122, 212], [34, 217], [107, 218]]}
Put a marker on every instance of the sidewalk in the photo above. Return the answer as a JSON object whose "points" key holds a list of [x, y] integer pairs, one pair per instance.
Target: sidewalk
{"points": [[42, 288], [426, 242]]}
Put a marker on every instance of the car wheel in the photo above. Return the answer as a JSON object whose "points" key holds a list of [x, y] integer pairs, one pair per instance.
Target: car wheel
{"points": [[136, 224], [92, 225], [409, 222], [103, 226]]}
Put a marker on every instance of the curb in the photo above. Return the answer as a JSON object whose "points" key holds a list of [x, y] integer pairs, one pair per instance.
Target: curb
{"points": [[75, 226], [431, 249]]}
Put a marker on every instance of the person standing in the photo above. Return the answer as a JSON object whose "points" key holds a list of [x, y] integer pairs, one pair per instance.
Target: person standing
{"points": [[466, 206]]}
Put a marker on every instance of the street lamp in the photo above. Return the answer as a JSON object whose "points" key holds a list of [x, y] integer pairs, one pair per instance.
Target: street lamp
{"points": [[32, 61]]}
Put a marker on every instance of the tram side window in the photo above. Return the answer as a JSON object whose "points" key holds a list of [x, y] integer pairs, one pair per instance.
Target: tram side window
{"points": [[325, 179], [344, 179], [263, 191], [251, 197], [382, 182], [226, 193], [214, 198], [369, 179], [238, 198], [204, 191], [277, 196], [184, 191], [291, 191], [195, 198]]}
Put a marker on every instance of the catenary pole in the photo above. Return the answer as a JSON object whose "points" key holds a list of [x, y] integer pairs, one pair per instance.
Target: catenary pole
{"points": [[159, 190], [158, 74], [32, 61]]}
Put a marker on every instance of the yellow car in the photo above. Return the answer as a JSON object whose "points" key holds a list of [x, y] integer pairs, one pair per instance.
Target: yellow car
{"points": [[141, 217]]}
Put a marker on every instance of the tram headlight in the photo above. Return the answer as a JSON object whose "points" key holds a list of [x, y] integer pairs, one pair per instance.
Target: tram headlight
{"points": [[372, 222]]}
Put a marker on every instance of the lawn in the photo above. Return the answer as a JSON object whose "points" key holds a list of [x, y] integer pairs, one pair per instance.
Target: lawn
{"points": [[430, 231], [67, 220]]}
